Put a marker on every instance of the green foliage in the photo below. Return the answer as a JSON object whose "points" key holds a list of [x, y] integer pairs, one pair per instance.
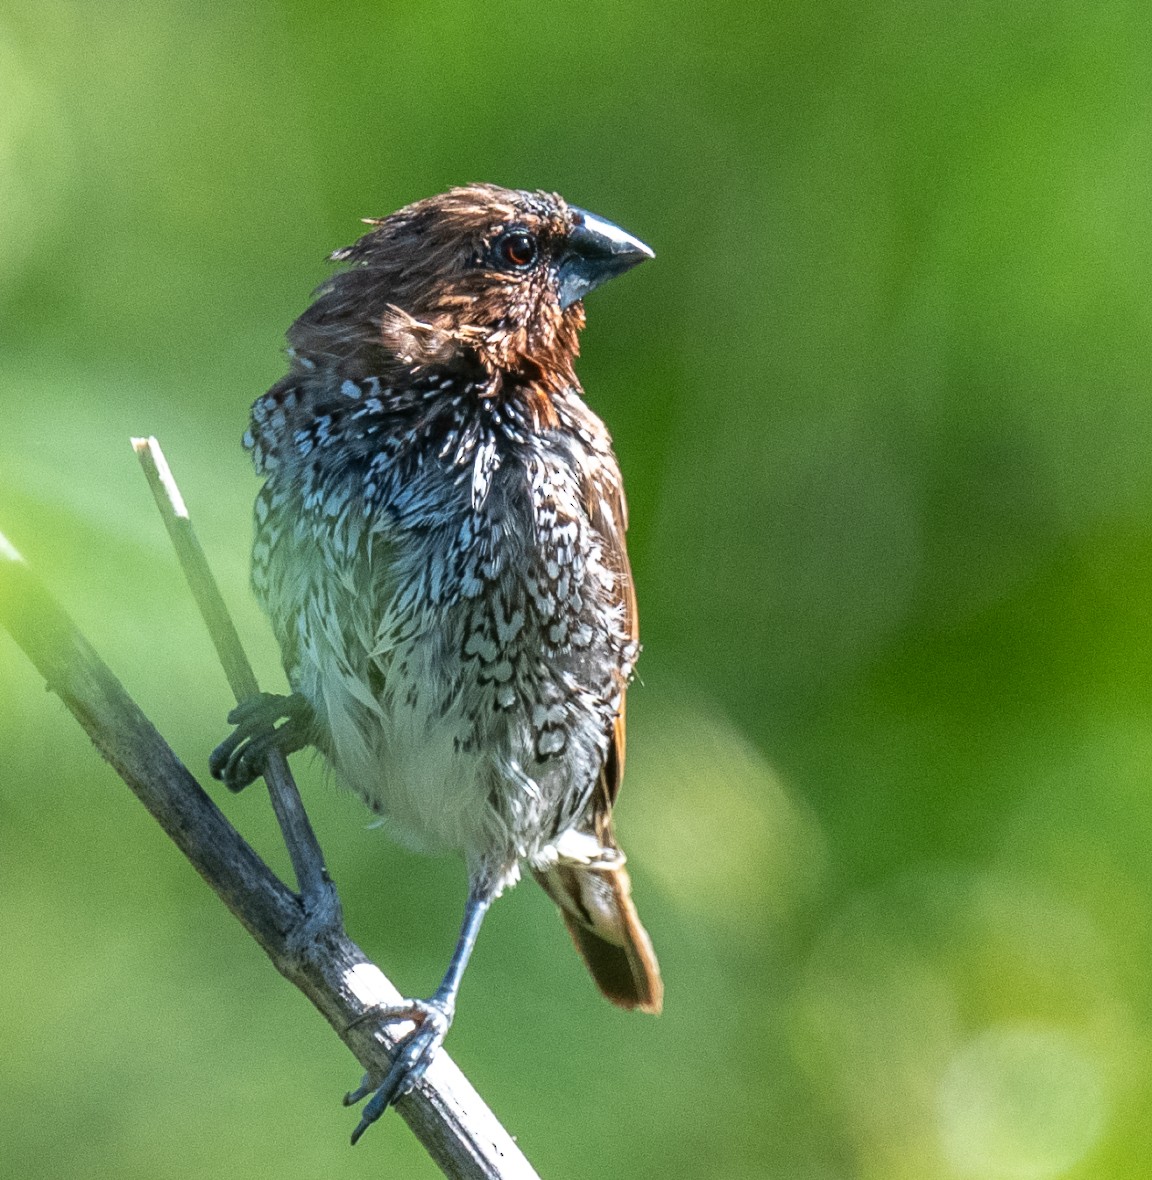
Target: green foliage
{"points": [[882, 405]]}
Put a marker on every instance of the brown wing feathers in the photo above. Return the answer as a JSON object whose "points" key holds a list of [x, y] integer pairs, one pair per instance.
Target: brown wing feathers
{"points": [[596, 900]]}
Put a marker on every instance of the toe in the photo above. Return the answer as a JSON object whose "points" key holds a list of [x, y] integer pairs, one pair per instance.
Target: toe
{"points": [[412, 1059], [367, 1085], [238, 772], [219, 758], [409, 1064], [262, 708]]}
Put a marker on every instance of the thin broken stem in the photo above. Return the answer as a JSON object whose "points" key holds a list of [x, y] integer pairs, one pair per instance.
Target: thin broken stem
{"points": [[307, 858]]}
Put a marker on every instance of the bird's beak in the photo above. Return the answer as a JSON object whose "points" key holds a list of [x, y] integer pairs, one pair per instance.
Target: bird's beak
{"points": [[597, 251]]}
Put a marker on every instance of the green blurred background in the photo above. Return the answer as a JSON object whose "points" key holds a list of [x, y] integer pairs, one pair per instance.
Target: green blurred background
{"points": [[882, 406]]}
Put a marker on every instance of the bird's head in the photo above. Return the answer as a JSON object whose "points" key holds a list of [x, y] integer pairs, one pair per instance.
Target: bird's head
{"points": [[479, 275]]}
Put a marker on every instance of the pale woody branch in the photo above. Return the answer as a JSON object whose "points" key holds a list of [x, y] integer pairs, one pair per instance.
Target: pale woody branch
{"points": [[307, 946]]}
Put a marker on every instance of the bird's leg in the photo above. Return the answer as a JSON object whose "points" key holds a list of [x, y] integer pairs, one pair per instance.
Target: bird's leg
{"points": [[433, 1018], [239, 759], [243, 757]]}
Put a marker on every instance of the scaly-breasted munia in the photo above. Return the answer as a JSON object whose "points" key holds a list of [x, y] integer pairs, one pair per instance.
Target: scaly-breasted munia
{"points": [[440, 548]]}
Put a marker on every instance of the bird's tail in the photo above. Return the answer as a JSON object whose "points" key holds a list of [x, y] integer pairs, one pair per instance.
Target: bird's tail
{"points": [[595, 900]]}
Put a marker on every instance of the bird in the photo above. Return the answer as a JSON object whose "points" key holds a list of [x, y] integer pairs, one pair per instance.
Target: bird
{"points": [[439, 544]]}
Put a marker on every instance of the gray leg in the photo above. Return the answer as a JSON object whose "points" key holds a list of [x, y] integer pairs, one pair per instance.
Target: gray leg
{"points": [[433, 1019]]}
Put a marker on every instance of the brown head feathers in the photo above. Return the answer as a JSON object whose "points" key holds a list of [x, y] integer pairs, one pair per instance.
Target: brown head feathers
{"points": [[466, 280]]}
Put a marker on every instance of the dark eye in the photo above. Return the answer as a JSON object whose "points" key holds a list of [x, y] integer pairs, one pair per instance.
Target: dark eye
{"points": [[516, 249]]}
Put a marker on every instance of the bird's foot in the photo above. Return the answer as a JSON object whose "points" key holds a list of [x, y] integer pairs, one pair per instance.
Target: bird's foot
{"points": [[413, 1055], [239, 759]]}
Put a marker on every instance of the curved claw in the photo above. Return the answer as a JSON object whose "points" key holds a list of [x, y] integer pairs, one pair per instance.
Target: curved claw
{"points": [[240, 758], [409, 1064], [367, 1085]]}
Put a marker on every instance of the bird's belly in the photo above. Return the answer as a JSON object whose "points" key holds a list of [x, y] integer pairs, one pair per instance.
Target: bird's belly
{"points": [[444, 764], [429, 790]]}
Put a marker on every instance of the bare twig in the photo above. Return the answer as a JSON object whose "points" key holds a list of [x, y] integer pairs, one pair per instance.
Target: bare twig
{"points": [[307, 859], [450, 1119]]}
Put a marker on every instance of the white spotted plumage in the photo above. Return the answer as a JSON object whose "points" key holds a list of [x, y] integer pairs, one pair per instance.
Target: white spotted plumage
{"points": [[439, 583]]}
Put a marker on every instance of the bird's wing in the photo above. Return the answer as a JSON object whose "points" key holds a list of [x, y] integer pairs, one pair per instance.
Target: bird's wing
{"points": [[592, 887], [608, 512]]}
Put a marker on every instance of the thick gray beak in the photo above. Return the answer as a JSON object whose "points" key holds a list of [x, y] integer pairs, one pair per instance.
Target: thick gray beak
{"points": [[597, 251]]}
